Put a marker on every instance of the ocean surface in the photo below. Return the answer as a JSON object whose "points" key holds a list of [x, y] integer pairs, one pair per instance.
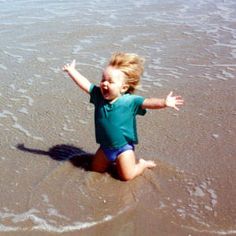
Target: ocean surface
{"points": [[46, 122]]}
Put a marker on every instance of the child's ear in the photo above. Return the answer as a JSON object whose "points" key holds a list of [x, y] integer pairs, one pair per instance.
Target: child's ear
{"points": [[124, 88]]}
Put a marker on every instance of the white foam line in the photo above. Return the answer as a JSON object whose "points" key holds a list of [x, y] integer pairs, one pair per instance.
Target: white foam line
{"points": [[3, 67], [90, 65], [17, 126], [43, 225], [25, 131], [225, 45], [69, 228], [30, 100], [19, 58], [23, 49], [4, 114], [215, 232], [213, 65], [20, 128], [4, 228]]}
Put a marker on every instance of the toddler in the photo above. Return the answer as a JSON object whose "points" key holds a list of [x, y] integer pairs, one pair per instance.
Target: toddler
{"points": [[116, 107]]}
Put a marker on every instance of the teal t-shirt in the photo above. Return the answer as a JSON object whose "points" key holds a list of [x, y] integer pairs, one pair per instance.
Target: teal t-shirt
{"points": [[115, 123]]}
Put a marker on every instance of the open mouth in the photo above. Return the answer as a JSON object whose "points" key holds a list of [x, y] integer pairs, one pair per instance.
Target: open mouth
{"points": [[105, 92]]}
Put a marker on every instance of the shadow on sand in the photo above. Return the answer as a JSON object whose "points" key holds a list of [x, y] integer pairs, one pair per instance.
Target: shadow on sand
{"points": [[63, 152]]}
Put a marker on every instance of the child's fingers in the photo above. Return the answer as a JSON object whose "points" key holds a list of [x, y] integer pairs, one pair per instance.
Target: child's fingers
{"points": [[73, 63], [65, 67], [178, 97], [170, 94], [68, 65], [181, 102]]}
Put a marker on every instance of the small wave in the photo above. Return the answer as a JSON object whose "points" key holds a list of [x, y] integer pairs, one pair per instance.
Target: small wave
{"points": [[3, 67], [18, 58], [214, 232], [30, 99], [41, 224], [17, 126]]}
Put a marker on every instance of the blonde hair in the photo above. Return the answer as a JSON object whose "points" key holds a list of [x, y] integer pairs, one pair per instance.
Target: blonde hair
{"points": [[131, 65]]}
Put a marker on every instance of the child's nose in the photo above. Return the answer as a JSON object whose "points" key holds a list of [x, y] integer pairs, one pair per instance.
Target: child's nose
{"points": [[105, 83]]}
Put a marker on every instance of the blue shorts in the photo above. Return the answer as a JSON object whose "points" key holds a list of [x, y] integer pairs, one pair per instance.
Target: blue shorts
{"points": [[112, 153]]}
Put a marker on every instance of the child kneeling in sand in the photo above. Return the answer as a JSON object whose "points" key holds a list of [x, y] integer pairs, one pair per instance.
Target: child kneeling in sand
{"points": [[116, 108]]}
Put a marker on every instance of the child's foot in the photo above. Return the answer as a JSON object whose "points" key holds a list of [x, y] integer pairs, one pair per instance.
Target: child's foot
{"points": [[148, 163]]}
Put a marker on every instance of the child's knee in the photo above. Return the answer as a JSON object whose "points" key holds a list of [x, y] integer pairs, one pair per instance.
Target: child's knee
{"points": [[99, 167], [127, 177], [100, 163]]}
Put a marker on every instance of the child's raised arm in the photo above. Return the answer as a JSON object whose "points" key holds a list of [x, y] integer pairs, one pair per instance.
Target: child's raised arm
{"points": [[79, 79], [157, 103]]}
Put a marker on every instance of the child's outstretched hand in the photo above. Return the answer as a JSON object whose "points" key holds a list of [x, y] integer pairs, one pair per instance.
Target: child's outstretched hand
{"points": [[68, 67], [173, 101]]}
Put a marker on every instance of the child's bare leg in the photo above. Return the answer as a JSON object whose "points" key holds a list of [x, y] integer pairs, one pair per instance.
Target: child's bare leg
{"points": [[100, 162], [127, 166]]}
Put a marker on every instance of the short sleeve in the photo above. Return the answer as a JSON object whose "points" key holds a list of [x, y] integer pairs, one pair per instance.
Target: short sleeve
{"points": [[91, 88], [138, 102], [95, 93]]}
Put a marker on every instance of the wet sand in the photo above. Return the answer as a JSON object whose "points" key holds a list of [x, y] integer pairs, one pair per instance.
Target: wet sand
{"points": [[47, 131]]}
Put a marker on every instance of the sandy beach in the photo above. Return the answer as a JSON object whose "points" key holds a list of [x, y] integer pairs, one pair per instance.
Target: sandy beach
{"points": [[47, 126]]}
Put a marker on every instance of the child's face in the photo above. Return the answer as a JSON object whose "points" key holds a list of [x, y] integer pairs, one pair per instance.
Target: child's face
{"points": [[113, 83]]}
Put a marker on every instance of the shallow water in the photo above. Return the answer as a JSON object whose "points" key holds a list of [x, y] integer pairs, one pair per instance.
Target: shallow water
{"points": [[46, 122]]}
